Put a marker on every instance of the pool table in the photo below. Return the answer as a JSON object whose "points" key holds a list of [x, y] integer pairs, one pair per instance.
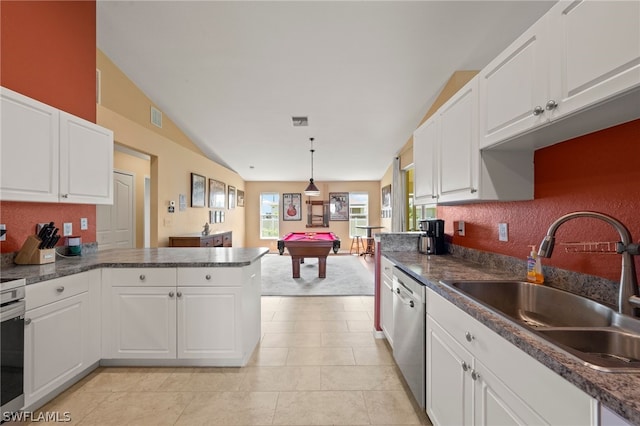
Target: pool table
{"points": [[309, 244]]}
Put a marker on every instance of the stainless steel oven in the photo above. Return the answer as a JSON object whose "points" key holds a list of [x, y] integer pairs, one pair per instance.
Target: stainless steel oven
{"points": [[12, 310]]}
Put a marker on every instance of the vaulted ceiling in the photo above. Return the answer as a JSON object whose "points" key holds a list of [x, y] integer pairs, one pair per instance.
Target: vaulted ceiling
{"points": [[232, 74]]}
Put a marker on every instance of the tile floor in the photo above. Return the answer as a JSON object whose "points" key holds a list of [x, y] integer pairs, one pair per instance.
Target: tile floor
{"points": [[317, 364]]}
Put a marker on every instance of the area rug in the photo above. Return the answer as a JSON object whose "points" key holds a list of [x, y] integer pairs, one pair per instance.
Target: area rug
{"points": [[346, 276]]}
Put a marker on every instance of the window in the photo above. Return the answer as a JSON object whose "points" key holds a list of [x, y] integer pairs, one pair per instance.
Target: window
{"points": [[358, 213], [269, 215]]}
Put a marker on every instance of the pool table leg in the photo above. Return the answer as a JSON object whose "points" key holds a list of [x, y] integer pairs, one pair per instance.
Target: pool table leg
{"points": [[322, 266], [295, 266]]}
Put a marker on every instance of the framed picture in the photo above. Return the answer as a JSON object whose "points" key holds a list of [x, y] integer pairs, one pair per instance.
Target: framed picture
{"points": [[240, 198], [232, 197], [198, 190], [386, 197], [216, 194], [338, 206], [291, 209]]}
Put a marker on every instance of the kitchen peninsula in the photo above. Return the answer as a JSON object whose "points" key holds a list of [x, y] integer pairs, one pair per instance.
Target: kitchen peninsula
{"points": [[146, 307]]}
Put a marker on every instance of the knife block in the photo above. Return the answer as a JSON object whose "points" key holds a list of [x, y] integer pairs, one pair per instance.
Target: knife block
{"points": [[30, 254]]}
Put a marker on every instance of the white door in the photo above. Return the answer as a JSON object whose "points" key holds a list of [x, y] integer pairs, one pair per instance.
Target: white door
{"points": [[115, 223]]}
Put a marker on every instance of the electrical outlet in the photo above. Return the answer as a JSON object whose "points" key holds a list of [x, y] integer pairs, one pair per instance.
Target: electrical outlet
{"points": [[4, 234], [503, 232], [84, 224], [461, 228], [67, 229]]}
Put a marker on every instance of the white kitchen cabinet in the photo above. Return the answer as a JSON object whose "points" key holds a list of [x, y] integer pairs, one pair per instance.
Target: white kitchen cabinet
{"points": [[386, 299], [474, 376], [143, 322], [209, 315], [579, 55], [59, 335], [425, 143], [48, 155], [464, 173]]}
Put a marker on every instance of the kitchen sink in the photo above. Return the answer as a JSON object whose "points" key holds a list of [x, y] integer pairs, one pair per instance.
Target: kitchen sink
{"points": [[535, 305], [602, 349], [596, 334]]}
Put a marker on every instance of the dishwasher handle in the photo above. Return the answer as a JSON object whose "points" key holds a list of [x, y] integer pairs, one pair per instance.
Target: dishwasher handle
{"points": [[404, 300]]}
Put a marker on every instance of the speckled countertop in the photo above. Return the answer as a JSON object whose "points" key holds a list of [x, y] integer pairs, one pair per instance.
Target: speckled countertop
{"points": [[618, 391], [166, 257]]}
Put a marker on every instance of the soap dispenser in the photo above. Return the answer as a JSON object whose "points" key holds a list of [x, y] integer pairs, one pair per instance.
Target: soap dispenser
{"points": [[534, 267]]}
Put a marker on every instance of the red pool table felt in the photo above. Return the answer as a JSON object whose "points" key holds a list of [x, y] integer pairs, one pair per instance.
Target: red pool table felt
{"points": [[309, 244]]}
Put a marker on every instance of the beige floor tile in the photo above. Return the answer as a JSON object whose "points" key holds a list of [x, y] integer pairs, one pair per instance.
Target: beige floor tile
{"points": [[320, 356], [76, 404], [230, 408], [358, 339], [373, 355], [269, 357], [320, 326], [281, 379], [365, 325], [205, 380], [291, 340], [139, 408], [321, 408], [306, 315], [391, 408], [361, 377], [266, 315], [278, 327], [127, 380]]}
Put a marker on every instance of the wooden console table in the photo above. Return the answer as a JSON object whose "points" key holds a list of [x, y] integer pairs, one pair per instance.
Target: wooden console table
{"points": [[223, 239]]}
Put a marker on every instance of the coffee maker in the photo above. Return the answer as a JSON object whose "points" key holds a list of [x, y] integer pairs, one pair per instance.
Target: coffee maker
{"points": [[432, 241]]}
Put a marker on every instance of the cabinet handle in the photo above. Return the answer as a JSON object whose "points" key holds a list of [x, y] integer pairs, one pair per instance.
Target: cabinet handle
{"points": [[551, 105], [538, 110], [27, 321], [179, 294], [65, 195], [397, 290], [60, 289], [253, 276], [208, 277], [142, 277], [474, 375], [434, 196], [465, 366], [469, 336], [171, 294], [473, 190]]}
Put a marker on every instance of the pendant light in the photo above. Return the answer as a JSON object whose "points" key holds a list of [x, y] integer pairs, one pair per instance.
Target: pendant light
{"points": [[312, 190]]}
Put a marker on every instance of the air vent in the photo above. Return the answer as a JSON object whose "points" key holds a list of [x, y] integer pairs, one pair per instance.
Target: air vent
{"points": [[300, 121], [156, 117]]}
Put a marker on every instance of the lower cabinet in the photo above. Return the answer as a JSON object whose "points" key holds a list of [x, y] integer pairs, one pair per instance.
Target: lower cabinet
{"points": [[474, 376], [386, 299], [210, 314], [61, 334]]}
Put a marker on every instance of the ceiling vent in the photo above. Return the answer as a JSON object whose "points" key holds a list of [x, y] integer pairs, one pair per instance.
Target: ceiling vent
{"points": [[156, 117], [300, 121]]}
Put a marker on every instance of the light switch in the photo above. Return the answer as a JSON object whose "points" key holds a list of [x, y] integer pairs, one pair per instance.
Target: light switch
{"points": [[84, 224], [503, 232], [67, 229]]}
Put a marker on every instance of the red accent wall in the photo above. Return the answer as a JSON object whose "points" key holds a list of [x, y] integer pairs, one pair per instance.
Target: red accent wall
{"points": [[597, 172], [48, 52]]}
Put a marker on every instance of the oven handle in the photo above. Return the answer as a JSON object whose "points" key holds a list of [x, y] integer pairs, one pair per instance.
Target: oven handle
{"points": [[13, 310]]}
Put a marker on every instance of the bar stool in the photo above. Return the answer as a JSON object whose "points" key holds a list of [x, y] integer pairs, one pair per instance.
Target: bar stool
{"points": [[370, 247], [357, 242]]}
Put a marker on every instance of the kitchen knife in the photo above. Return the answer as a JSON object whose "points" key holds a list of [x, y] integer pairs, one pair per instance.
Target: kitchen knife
{"points": [[53, 239], [48, 234]]}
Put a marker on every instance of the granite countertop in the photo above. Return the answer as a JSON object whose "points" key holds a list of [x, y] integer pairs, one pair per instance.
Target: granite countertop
{"points": [[165, 257], [620, 392]]}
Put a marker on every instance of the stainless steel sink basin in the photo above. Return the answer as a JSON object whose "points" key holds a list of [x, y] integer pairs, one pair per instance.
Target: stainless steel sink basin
{"points": [[596, 334], [602, 349], [535, 305]]}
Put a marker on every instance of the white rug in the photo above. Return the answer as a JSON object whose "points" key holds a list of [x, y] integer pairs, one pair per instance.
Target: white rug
{"points": [[346, 276]]}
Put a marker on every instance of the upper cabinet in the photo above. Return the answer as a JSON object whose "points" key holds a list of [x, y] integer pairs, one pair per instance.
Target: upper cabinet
{"points": [[47, 155], [580, 56], [451, 169]]}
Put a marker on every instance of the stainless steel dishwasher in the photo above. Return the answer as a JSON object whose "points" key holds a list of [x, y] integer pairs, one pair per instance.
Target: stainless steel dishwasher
{"points": [[409, 320]]}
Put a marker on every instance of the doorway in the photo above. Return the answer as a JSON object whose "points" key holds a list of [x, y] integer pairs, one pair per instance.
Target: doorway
{"points": [[115, 225]]}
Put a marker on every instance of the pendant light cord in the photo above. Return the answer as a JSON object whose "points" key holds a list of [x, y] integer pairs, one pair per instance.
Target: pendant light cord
{"points": [[312, 151]]}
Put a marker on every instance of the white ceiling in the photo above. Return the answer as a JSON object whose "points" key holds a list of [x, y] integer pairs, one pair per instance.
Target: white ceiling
{"points": [[232, 74]]}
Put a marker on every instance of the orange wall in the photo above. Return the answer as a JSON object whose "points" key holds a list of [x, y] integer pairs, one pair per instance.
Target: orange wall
{"points": [[48, 52], [597, 172]]}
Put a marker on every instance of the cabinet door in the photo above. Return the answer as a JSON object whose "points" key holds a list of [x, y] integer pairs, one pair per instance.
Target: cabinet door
{"points": [[143, 322], [449, 384], [54, 345], [29, 149], [425, 141], [386, 308], [496, 404], [458, 147], [86, 161], [209, 322], [597, 46], [513, 85]]}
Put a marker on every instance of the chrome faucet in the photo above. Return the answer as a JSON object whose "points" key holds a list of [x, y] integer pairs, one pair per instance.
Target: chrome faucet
{"points": [[628, 292]]}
